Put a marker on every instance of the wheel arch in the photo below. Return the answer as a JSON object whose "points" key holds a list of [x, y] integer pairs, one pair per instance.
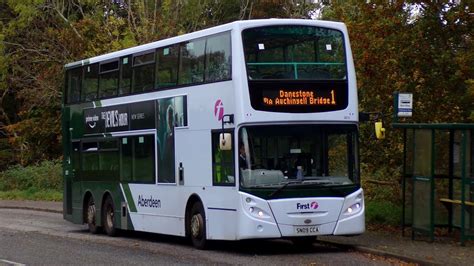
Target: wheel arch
{"points": [[107, 193]]}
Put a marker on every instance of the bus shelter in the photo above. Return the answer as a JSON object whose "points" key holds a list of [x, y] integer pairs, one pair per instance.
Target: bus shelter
{"points": [[438, 179]]}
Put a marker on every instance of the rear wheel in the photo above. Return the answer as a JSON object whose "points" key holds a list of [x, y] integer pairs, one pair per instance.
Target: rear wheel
{"points": [[108, 217], [91, 216], [197, 226]]}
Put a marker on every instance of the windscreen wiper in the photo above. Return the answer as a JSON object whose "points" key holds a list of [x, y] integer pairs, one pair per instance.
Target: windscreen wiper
{"points": [[284, 186]]}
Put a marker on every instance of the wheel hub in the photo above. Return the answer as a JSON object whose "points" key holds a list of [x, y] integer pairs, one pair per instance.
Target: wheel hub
{"points": [[110, 218], [196, 225]]}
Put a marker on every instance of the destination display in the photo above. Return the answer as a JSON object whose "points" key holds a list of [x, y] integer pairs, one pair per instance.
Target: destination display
{"points": [[285, 97], [298, 96]]}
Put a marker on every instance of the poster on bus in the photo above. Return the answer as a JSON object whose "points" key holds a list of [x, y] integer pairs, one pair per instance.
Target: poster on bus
{"points": [[171, 113]]}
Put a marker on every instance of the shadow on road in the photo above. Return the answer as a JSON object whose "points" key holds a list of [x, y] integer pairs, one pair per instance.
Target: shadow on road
{"points": [[243, 247]]}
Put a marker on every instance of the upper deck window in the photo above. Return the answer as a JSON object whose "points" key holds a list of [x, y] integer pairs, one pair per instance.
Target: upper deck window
{"points": [[294, 53]]}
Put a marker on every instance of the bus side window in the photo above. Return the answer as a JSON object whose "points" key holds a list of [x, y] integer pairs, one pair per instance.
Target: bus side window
{"points": [[218, 57], [167, 66], [109, 159], [144, 159], [191, 62], [137, 159], [73, 83], [89, 160], [126, 159], [143, 77], [108, 81], [222, 163], [125, 75], [90, 83]]}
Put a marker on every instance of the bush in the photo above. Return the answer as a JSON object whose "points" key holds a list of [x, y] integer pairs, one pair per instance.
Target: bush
{"points": [[46, 175]]}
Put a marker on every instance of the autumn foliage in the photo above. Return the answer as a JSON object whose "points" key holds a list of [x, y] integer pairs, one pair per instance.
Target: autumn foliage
{"points": [[424, 47]]}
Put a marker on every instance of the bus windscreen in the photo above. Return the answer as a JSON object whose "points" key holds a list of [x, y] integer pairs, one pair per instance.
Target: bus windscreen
{"points": [[294, 53]]}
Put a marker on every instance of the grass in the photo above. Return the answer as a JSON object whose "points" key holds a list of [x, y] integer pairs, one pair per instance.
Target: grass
{"points": [[383, 212], [46, 195], [42, 181]]}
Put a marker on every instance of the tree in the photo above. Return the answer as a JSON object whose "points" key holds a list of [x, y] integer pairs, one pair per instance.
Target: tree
{"points": [[423, 47], [37, 37]]}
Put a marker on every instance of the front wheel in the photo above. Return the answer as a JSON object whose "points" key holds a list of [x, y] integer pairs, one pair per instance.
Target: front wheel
{"points": [[197, 226], [108, 217], [91, 217]]}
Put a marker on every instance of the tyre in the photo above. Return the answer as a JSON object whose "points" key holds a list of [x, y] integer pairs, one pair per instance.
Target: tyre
{"points": [[91, 216], [108, 214], [197, 226], [303, 242]]}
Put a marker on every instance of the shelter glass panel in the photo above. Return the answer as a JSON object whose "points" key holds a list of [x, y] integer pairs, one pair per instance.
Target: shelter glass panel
{"points": [[422, 204], [423, 153]]}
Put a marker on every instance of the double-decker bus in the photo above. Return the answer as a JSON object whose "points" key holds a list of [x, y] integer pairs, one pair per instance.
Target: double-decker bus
{"points": [[244, 130]]}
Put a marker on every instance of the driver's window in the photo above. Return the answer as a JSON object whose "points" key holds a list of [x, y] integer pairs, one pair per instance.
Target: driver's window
{"points": [[222, 163]]}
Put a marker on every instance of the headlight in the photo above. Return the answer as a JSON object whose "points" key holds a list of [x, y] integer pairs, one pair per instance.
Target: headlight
{"points": [[257, 212], [354, 208]]}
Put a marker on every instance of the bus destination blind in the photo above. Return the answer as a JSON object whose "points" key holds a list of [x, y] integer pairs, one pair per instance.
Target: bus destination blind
{"points": [[298, 97], [283, 97]]}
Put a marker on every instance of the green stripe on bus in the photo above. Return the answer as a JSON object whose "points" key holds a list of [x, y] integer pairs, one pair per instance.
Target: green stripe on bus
{"points": [[128, 195]]}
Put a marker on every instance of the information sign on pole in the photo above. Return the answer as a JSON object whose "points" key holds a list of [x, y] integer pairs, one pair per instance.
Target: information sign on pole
{"points": [[405, 104]]}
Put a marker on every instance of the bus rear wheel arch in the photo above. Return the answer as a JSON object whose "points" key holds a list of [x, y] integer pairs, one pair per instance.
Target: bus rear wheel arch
{"points": [[108, 216]]}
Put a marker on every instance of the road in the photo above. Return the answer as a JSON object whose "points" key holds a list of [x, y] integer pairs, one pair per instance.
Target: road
{"points": [[34, 237]]}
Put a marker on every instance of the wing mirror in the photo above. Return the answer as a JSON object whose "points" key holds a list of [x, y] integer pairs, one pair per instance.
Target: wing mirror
{"points": [[225, 141]]}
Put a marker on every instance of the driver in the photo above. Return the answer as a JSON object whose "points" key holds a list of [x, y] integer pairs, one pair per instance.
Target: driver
{"points": [[242, 157]]}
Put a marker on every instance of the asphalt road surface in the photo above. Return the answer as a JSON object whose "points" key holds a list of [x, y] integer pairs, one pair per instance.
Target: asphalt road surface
{"points": [[34, 237]]}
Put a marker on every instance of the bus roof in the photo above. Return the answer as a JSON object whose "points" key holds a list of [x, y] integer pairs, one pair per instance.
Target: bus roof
{"points": [[241, 24]]}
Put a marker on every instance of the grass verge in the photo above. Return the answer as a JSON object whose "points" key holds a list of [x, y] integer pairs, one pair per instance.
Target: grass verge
{"points": [[44, 195], [383, 212], [42, 181]]}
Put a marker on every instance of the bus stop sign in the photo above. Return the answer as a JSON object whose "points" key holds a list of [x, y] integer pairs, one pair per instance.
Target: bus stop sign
{"points": [[405, 105]]}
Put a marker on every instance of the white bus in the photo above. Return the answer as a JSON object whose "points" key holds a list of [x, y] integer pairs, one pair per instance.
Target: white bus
{"points": [[245, 130]]}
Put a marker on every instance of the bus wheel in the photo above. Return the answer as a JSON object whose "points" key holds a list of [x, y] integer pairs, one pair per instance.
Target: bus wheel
{"points": [[108, 217], [198, 226], [304, 242], [90, 216]]}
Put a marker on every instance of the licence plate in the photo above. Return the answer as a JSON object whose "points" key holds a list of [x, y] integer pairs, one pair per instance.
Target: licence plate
{"points": [[306, 230]]}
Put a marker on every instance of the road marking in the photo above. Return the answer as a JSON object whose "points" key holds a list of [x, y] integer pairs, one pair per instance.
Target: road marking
{"points": [[12, 263]]}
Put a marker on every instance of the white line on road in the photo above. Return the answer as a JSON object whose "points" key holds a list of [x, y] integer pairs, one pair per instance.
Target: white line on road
{"points": [[12, 263]]}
